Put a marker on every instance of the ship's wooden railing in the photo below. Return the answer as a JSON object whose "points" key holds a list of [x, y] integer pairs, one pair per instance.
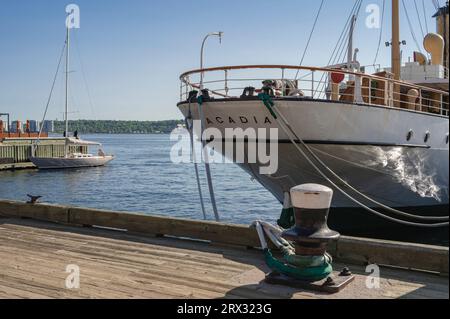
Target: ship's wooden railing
{"points": [[317, 83]]}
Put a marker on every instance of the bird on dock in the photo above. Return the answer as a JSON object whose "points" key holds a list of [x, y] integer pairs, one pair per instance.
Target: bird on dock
{"points": [[33, 199]]}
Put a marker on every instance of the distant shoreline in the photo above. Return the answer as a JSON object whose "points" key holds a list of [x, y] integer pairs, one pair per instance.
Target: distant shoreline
{"points": [[118, 127]]}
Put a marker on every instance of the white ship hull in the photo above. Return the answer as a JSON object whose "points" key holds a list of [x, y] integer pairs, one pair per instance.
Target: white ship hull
{"points": [[396, 176], [365, 145]]}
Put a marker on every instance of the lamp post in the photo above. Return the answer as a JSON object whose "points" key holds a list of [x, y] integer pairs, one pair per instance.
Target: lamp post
{"points": [[203, 126], [216, 34]]}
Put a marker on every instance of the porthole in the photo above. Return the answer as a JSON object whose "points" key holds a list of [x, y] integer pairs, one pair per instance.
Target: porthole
{"points": [[446, 139], [410, 135], [427, 137]]}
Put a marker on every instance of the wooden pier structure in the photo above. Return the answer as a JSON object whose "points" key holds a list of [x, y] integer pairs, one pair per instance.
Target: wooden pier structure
{"points": [[123, 255]]}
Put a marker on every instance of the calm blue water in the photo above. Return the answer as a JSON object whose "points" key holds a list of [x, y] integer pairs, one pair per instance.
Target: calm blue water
{"points": [[144, 179]]}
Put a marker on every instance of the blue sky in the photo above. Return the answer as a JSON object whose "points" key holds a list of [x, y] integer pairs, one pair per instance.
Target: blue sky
{"points": [[132, 51]]}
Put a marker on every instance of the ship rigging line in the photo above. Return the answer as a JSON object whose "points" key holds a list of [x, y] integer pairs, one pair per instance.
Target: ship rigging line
{"points": [[355, 11], [425, 16], [436, 4], [284, 124], [420, 19], [344, 45], [50, 95], [381, 34], [340, 46], [413, 34], [310, 37], [88, 91]]}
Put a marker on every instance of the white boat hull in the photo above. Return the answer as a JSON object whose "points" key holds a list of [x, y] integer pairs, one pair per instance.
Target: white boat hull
{"points": [[65, 163]]}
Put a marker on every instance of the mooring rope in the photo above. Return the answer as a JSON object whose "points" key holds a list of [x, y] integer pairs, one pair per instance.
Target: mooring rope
{"points": [[284, 124], [298, 267], [206, 155], [431, 218], [194, 158]]}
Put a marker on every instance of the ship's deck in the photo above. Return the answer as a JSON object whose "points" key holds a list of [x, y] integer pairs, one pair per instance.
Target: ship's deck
{"points": [[114, 264]]}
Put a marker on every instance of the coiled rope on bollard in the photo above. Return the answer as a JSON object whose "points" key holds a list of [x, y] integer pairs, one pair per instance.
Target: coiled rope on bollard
{"points": [[299, 267]]}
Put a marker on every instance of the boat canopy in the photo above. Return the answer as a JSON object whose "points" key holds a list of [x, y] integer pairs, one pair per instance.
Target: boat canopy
{"points": [[75, 141]]}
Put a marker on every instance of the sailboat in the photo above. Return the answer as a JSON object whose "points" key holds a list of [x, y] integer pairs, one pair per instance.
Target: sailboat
{"points": [[379, 140], [71, 159]]}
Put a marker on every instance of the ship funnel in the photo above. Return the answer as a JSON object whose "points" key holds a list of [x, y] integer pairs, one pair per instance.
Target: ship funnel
{"points": [[435, 44], [420, 57]]}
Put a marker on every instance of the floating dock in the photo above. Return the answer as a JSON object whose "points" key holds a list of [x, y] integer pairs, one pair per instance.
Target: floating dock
{"points": [[15, 153], [122, 255]]}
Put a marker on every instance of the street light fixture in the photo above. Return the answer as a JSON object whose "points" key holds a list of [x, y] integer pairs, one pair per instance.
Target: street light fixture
{"points": [[203, 126], [212, 34]]}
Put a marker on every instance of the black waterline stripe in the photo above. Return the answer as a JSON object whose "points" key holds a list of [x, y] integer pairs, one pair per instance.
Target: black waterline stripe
{"points": [[343, 143]]}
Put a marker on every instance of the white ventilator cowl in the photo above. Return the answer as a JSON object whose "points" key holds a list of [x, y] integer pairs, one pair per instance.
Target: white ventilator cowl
{"points": [[311, 196]]}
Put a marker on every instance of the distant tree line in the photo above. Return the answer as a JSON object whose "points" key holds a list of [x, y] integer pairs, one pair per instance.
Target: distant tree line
{"points": [[118, 127]]}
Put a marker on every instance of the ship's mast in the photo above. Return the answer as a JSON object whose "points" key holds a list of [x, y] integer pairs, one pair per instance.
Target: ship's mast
{"points": [[66, 112], [350, 42], [396, 60]]}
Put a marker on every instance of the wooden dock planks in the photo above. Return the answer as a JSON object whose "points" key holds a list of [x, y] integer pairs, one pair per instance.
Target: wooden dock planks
{"points": [[115, 264], [358, 251]]}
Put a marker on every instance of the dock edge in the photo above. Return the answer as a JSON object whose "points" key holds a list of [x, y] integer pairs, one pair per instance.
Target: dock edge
{"points": [[360, 251]]}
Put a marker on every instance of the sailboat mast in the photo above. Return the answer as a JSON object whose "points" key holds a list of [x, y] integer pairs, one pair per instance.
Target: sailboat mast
{"points": [[396, 59], [66, 111], [350, 42]]}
